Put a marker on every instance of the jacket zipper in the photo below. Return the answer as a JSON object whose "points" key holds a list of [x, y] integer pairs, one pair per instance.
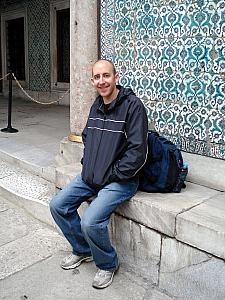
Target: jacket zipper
{"points": [[98, 147]]}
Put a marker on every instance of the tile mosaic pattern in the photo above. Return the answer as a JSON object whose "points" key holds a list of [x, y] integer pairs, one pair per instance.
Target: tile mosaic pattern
{"points": [[172, 53], [38, 14], [38, 19]]}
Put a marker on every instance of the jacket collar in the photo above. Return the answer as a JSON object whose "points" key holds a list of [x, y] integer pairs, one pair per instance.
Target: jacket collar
{"points": [[123, 93]]}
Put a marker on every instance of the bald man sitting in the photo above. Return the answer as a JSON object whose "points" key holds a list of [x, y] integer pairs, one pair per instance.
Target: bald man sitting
{"points": [[115, 149]]}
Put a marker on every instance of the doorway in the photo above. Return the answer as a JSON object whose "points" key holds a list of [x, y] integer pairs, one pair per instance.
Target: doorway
{"points": [[0, 62], [60, 44], [15, 49], [14, 46], [63, 45]]}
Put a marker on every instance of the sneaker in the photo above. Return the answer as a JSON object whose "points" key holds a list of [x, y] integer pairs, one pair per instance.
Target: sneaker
{"points": [[73, 261], [103, 279]]}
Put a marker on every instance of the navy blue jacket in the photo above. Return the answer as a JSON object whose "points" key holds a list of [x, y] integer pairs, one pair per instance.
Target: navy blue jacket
{"points": [[115, 140]]}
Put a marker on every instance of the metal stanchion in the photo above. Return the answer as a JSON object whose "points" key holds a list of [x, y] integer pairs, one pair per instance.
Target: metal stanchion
{"points": [[9, 127]]}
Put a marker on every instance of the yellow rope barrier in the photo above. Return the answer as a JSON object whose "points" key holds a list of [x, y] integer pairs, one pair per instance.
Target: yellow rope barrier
{"points": [[39, 102], [4, 76]]}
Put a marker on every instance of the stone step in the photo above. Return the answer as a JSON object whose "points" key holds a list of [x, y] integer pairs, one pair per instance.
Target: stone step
{"points": [[203, 170], [26, 190], [154, 233], [70, 152], [65, 173], [204, 226], [206, 171], [36, 161]]}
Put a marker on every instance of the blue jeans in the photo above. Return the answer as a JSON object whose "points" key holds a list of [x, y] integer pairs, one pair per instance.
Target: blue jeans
{"points": [[89, 234]]}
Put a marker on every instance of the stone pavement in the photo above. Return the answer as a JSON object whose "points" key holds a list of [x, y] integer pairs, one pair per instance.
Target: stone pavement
{"points": [[41, 128], [30, 252]]}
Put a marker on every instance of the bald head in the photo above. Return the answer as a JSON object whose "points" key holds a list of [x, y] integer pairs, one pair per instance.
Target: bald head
{"points": [[107, 62], [104, 78]]}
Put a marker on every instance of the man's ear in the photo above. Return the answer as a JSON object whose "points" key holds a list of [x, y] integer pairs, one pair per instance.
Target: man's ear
{"points": [[117, 76], [92, 81]]}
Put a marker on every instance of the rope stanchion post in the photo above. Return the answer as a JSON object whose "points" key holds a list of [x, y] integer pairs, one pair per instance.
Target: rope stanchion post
{"points": [[9, 128]]}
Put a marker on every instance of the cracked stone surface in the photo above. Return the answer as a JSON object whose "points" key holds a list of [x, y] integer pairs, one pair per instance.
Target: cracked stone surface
{"points": [[57, 284], [31, 248], [188, 273], [3, 205]]}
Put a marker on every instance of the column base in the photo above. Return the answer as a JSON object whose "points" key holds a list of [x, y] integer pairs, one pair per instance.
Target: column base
{"points": [[75, 138]]}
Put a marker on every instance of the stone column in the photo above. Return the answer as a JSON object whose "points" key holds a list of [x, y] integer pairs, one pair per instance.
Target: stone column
{"points": [[83, 53], [84, 40]]}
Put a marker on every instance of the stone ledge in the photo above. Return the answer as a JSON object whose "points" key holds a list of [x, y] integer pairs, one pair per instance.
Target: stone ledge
{"points": [[174, 215], [159, 211], [206, 171], [204, 226], [71, 152]]}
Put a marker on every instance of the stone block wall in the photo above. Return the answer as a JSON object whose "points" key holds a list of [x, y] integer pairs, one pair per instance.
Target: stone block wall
{"points": [[181, 271]]}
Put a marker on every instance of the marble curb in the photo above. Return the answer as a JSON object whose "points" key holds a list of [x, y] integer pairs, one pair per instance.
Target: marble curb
{"points": [[167, 213]]}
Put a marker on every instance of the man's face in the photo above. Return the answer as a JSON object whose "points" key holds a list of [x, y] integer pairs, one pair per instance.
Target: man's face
{"points": [[104, 80]]}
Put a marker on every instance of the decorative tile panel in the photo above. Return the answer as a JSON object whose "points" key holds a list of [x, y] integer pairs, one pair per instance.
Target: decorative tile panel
{"points": [[172, 53], [38, 22], [39, 44]]}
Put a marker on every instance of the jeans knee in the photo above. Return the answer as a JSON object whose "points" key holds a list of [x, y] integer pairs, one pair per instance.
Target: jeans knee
{"points": [[53, 206], [91, 227], [84, 225], [87, 227]]}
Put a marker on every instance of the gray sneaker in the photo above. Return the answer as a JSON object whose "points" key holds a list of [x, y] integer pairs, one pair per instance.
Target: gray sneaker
{"points": [[103, 279], [73, 261]]}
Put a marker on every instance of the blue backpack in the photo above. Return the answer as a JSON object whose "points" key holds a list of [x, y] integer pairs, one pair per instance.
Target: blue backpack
{"points": [[164, 170]]}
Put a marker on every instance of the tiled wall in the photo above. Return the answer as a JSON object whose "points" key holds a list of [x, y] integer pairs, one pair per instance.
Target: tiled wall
{"points": [[39, 44], [172, 53], [38, 21]]}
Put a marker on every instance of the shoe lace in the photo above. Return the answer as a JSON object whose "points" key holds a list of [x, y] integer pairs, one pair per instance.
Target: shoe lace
{"points": [[69, 257], [103, 273]]}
